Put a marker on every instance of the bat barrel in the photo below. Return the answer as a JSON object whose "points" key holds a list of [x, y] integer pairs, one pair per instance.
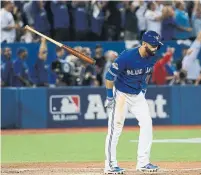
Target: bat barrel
{"points": [[79, 55]]}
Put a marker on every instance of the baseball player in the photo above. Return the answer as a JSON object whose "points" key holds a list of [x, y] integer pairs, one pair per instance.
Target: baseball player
{"points": [[126, 83], [6, 68], [41, 67], [21, 72]]}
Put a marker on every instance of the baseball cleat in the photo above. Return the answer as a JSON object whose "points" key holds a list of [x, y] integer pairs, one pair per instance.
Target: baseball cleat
{"points": [[115, 170], [148, 168]]}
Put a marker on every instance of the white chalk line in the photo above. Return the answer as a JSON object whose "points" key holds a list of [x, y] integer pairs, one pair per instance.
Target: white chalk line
{"points": [[87, 169], [189, 140]]}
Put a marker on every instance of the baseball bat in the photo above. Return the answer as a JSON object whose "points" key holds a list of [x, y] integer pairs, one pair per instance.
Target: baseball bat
{"points": [[69, 49]]}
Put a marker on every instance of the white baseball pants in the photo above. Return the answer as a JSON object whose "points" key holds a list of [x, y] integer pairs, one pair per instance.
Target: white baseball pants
{"points": [[138, 106]]}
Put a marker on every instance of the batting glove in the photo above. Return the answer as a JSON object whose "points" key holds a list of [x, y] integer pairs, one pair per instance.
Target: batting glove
{"points": [[109, 103]]}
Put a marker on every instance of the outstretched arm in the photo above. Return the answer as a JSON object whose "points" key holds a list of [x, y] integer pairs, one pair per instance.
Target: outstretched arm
{"points": [[192, 52], [43, 47]]}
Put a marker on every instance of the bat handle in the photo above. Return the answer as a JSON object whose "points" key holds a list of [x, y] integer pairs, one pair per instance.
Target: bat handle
{"points": [[44, 36]]}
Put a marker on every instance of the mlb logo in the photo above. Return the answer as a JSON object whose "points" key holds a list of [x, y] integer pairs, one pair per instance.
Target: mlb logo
{"points": [[64, 104]]}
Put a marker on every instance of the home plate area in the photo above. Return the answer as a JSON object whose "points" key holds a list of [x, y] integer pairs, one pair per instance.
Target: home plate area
{"points": [[167, 168]]}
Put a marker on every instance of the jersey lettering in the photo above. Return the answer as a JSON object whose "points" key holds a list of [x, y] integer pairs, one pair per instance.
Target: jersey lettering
{"points": [[147, 70]]}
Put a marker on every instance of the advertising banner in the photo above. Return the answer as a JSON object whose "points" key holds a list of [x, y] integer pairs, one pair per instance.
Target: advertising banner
{"points": [[85, 107]]}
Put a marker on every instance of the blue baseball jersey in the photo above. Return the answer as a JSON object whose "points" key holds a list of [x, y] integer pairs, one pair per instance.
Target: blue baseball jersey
{"points": [[20, 69], [7, 72], [40, 73], [131, 71]]}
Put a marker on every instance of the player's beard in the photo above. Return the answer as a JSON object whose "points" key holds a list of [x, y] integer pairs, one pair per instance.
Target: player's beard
{"points": [[150, 53]]}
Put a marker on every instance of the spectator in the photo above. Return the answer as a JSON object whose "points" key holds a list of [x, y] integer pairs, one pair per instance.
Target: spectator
{"points": [[17, 13], [182, 20], [27, 9], [6, 68], [159, 76], [89, 76], [121, 6], [110, 56], [159, 5], [62, 70], [60, 53], [71, 58], [190, 62], [196, 18], [141, 18], [82, 68], [40, 67], [180, 79], [113, 21], [198, 81], [169, 24], [56, 67], [27, 37], [61, 20], [79, 65], [39, 14], [100, 63], [189, 7], [97, 20], [170, 68], [80, 20], [184, 46], [8, 25], [131, 29], [88, 72], [19, 5], [153, 18], [21, 75]]}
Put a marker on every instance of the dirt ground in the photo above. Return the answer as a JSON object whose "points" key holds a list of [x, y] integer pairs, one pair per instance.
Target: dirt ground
{"points": [[94, 168], [91, 129]]}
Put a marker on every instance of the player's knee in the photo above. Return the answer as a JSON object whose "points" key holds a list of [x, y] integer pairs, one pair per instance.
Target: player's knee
{"points": [[146, 123], [119, 125]]}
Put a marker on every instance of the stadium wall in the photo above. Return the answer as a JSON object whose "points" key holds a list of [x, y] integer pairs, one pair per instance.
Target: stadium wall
{"points": [[83, 107]]}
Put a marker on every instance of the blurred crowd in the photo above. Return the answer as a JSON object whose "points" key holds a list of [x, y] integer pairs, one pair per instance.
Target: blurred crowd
{"points": [[186, 70], [64, 70], [99, 20], [68, 70], [96, 21]]}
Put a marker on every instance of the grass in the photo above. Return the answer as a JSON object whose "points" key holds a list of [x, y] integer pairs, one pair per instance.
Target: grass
{"points": [[83, 147]]}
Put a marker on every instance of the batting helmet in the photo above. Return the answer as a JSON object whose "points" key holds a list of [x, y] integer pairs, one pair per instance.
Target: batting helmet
{"points": [[152, 38]]}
